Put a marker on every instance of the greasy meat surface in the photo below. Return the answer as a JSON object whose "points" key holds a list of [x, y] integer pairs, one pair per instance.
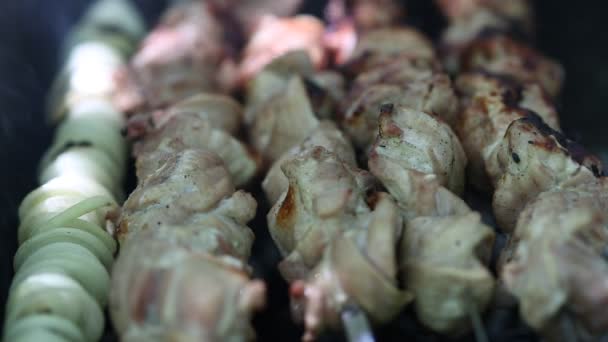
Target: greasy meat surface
{"points": [[328, 233], [445, 246], [417, 162], [326, 135], [532, 158], [178, 59], [274, 37], [556, 262], [489, 104], [182, 268]]}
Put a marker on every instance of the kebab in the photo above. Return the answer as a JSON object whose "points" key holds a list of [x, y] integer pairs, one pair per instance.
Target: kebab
{"points": [[294, 217], [420, 161], [278, 99], [548, 190], [66, 245], [184, 229]]}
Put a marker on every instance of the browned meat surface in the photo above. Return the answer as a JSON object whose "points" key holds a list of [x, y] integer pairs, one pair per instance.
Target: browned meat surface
{"points": [[197, 123]]}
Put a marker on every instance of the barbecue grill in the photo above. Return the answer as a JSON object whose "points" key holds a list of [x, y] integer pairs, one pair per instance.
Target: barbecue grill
{"points": [[32, 35]]}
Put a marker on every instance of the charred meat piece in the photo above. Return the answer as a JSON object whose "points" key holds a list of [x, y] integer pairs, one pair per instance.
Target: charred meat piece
{"points": [[463, 31], [325, 88], [490, 103], [533, 158]]}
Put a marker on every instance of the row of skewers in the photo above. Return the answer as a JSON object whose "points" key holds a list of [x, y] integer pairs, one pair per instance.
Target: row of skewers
{"points": [[319, 103]]}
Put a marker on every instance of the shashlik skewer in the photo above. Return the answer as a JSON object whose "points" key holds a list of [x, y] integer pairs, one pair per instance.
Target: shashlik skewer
{"points": [[291, 220], [278, 98], [183, 229], [65, 236], [420, 161], [445, 248], [547, 191]]}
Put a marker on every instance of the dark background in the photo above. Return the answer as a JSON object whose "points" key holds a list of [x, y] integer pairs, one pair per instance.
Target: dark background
{"points": [[31, 33]]}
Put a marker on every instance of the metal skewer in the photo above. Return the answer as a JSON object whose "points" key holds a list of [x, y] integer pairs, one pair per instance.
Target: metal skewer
{"points": [[356, 325], [478, 329]]}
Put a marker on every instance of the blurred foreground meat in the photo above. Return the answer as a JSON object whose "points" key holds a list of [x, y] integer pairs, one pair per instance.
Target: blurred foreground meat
{"points": [[182, 272], [179, 58]]}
